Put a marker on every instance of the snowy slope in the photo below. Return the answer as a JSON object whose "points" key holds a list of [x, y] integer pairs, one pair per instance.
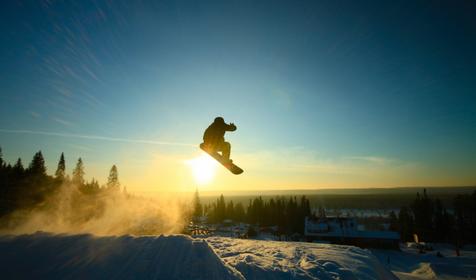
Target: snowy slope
{"points": [[125, 257], [408, 264], [298, 260], [86, 256]]}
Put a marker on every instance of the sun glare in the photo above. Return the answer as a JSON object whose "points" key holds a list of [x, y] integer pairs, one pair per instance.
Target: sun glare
{"points": [[203, 168]]}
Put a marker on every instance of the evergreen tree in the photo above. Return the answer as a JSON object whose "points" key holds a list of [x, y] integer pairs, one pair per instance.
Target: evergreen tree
{"points": [[61, 170], [230, 211], [78, 173], [90, 187], [1, 158], [465, 216], [405, 221], [422, 209], [443, 223], [113, 179], [197, 206], [18, 168], [220, 209], [37, 166], [239, 211]]}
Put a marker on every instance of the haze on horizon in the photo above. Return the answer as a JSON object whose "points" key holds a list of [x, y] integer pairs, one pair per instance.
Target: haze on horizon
{"points": [[324, 94]]}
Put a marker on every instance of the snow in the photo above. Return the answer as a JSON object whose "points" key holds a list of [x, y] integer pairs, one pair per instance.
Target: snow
{"points": [[85, 256], [125, 257], [257, 259], [408, 264]]}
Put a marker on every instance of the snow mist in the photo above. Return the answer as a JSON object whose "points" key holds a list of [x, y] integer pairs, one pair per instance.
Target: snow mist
{"points": [[105, 213]]}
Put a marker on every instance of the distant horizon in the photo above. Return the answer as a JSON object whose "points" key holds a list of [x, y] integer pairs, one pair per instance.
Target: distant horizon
{"points": [[324, 191]]}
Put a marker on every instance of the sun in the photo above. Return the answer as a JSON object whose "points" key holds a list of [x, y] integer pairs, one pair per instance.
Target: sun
{"points": [[203, 168]]}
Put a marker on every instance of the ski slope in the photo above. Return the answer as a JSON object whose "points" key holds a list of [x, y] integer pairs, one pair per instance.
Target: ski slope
{"points": [[174, 257], [85, 256]]}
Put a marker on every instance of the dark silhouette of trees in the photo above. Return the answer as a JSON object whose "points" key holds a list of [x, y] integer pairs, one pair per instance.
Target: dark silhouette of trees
{"points": [[286, 213], [406, 224], [197, 206], [1, 158], [26, 189], [61, 169], [432, 222], [443, 223], [37, 166], [78, 173], [18, 169], [113, 179], [465, 218], [423, 211]]}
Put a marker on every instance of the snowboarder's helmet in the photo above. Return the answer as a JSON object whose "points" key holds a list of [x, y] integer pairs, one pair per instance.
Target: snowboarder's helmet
{"points": [[219, 120]]}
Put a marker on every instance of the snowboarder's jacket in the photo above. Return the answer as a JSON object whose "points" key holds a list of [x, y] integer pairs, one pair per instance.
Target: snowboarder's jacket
{"points": [[215, 133]]}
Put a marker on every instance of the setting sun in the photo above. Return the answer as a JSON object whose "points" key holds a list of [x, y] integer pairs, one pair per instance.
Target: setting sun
{"points": [[203, 168]]}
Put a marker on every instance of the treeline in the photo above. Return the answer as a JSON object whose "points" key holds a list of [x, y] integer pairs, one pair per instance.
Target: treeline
{"points": [[286, 213], [23, 188], [432, 222]]}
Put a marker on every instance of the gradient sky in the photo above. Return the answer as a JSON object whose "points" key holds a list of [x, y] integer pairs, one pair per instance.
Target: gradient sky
{"points": [[324, 93]]}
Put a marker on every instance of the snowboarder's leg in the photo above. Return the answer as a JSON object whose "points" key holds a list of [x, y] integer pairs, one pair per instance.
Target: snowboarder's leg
{"points": [[225, 149]]}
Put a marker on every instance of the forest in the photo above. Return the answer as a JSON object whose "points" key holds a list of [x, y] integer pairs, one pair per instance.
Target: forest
{"points": [[27, 189]]}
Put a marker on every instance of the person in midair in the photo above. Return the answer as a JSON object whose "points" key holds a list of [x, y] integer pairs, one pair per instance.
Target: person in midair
{"points": [[214, 137]]}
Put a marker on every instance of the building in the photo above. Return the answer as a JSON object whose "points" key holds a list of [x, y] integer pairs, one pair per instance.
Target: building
{"points": [[344, 230]]}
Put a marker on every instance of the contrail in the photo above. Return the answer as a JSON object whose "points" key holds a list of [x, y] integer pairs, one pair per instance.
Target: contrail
{"points": [[96, 137]]}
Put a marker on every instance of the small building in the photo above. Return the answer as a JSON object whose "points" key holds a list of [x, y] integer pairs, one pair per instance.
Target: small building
{"points": [[345, 230]]}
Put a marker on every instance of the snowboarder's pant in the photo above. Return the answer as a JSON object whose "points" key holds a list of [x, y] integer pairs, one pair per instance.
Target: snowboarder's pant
{"points": [[223, 147]]}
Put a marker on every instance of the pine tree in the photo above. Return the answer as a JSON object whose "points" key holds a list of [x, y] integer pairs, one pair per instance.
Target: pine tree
{"points": [[18, 168], [405, 221], [61, 170], [239, 212], [221, 209], [113, 179], [78, 173], [197, 206], [37, 166], [1, 158], [230, 210], [443, 222]]}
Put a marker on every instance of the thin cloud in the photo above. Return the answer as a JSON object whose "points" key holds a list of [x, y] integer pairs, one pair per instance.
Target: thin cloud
{"points": [[96, 137], [63, 122], [372, 159]]}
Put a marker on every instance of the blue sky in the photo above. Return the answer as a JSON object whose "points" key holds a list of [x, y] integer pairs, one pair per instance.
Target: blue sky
{"points": [[387, 86]]}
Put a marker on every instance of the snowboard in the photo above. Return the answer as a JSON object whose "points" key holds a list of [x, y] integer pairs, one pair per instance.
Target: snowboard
{"points": [[228, 165]]}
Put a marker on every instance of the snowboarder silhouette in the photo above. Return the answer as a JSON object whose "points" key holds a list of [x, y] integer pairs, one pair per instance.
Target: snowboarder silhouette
{"points": [[214, 142]]}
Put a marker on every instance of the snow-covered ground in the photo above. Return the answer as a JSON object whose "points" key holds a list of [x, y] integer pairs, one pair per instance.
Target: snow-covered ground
{"points": [[408, 264], [256, 259], [85, 256]]}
